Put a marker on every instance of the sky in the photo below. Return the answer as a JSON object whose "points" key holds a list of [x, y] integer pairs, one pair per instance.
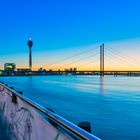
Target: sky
{"points": [[63, 28]]}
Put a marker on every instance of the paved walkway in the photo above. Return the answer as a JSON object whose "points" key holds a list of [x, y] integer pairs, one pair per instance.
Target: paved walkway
{"points": [[2, 130]]}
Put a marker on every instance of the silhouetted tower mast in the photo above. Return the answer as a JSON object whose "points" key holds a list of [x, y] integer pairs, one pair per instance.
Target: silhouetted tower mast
{"points": [[30, 44], [102, 58]]}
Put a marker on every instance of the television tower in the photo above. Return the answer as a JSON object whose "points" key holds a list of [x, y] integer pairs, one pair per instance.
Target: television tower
{"points": [[30, 44]]}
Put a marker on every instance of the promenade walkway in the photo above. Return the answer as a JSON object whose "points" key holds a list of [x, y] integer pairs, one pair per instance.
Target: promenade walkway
{"points": [[2, 129]]}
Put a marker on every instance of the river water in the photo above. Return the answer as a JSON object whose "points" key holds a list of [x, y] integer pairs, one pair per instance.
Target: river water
{"points": [[111, 104]]}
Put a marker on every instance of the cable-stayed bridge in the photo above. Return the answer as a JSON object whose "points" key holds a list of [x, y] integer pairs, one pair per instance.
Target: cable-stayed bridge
{"points": [[96, 60]]}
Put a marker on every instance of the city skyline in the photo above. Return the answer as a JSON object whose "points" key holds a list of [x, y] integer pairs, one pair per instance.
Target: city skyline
{"points": [[60, 29]]}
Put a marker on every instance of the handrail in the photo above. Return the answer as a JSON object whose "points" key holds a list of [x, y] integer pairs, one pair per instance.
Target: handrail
{"points": [[65, 123]]}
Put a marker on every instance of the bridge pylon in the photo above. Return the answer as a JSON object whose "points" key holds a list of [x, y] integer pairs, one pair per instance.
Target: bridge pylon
{"points": [[102, 59]]}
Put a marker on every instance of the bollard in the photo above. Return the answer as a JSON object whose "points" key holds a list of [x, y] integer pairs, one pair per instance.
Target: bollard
{"points": [[14, 98], [85, 125], [20, 92], [50, 120], [11, 87]]}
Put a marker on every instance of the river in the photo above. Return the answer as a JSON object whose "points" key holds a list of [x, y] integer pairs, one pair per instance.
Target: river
{"points": [[111, 104]]}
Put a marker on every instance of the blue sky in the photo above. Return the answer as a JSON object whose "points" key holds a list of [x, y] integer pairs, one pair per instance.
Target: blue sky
{"points": [[64, 24]]}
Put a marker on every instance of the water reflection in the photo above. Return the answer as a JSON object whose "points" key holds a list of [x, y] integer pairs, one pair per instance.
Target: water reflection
{"points": [[102, 84]]}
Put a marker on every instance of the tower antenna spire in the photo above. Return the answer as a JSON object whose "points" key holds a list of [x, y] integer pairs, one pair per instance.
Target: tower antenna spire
{"points": [[30, 38]]}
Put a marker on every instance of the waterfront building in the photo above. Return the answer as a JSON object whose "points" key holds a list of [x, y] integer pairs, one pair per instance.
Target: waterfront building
{"points": [[75, 69], [23, 69], [9, 67]]}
